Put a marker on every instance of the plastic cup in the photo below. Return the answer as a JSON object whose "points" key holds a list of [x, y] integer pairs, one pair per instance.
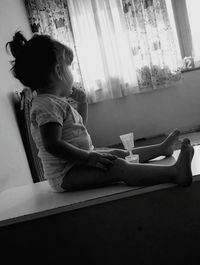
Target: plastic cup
{"points": [[127, 141], [133, 158]]}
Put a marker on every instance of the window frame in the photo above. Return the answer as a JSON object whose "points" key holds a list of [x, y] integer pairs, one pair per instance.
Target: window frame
{"points": [[183, 27], [184, 35]]}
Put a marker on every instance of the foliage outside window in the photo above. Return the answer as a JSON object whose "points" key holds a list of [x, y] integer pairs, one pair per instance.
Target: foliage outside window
{"points": [[121, 47]]}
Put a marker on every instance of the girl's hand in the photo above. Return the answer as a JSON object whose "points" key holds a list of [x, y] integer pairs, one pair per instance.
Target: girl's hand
{"points": [[78, 95], [119, 153], [103, 161]]}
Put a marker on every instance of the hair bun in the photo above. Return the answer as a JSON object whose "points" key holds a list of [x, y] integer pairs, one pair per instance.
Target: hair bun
{"points": [[17, 44]]}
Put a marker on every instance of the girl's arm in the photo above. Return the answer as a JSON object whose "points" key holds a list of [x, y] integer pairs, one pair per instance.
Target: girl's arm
{"points": [[51, 134], [80, 97], [83, 110], [121, 153]]}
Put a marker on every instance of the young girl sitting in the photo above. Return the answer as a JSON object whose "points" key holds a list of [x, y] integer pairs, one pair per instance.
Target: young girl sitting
{"points": [[69, 160]]}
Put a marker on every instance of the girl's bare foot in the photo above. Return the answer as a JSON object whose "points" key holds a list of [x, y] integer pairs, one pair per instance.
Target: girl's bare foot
{"points": [[169, 142], [183, 164]]}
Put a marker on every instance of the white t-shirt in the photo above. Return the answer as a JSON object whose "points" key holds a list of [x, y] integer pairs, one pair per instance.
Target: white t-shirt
{"points": [[50, 108]]}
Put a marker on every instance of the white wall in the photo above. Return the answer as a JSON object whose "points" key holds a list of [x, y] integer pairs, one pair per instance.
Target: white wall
{"points": [[14, 169], [147, 114]]}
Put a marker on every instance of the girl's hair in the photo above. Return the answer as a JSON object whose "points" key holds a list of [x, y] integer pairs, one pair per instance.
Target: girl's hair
{"points": [[35, 60]]}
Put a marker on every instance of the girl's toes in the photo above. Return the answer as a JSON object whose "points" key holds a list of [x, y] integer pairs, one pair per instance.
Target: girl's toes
{"points": [[186, 141]]}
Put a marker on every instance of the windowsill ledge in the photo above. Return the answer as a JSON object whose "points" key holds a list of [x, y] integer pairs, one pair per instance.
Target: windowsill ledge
{"points": [[189, 70], [35, 201]]}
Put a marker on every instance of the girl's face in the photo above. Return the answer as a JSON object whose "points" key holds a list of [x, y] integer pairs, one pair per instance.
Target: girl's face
{"points": [[67, 79], [65, 75]]}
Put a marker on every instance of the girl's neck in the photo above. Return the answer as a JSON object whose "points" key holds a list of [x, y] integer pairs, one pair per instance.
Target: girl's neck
{"points": [[53, 90]]}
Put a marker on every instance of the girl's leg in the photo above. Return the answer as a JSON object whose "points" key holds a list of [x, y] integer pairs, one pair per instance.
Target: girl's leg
{"points": [[146, 153], [165, 148], [82, 177], [149, 174]]}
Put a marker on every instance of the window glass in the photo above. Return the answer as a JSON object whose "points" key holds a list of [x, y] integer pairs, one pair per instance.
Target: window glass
{"points": [[193, 7], [173, 25]]}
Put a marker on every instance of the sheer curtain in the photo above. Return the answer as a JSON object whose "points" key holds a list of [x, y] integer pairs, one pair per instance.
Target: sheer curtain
{"points": [[103, 48], [152, 42], [120, 46]]}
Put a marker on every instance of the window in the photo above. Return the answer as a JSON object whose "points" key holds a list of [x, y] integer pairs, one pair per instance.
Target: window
{"points": [[193, 7], [121, 47], [185, 19], [103, 49]]}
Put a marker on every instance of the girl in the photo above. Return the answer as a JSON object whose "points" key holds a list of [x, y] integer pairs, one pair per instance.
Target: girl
{"points": [[69, 160]]}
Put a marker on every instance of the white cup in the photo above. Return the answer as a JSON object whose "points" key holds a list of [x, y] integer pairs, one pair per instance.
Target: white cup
{"points": [[133, 158], [127, 141]]}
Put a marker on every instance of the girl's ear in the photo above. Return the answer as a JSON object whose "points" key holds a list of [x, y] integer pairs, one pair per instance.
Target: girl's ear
{"points": [[58, 72]]}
